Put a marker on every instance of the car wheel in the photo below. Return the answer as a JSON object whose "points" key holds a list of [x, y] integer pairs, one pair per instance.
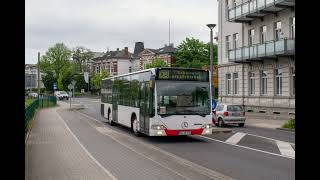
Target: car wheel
{"points": [[220, 122], [134, 126], [241, 124]]}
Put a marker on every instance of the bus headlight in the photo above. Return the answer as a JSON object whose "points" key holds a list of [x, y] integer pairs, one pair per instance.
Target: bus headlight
{"points": [[158, 127], [207, 126]]}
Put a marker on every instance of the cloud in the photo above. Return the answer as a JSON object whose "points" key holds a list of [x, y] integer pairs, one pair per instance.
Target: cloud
{"points": [[102, 24]]}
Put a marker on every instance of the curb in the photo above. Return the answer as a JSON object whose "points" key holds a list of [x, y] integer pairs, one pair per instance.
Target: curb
{"points": [[221, 130], [286, 129]]}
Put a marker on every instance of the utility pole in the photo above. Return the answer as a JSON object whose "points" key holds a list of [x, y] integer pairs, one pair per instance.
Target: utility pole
{"points": [[169, 33], [38, 74]]}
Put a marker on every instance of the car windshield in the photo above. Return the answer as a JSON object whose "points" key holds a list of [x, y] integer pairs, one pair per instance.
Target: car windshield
{"points": [[63, 92], [183, 97], [235, 108]]}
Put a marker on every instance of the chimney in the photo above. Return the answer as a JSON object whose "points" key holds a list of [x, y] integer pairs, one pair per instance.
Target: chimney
{"points": [[117, 49], [138, 48], [165, 45], [126, 51]]}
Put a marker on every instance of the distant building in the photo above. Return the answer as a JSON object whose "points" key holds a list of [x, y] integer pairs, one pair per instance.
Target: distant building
{"points": [[114, 62], [31, 77], [147, 56]]}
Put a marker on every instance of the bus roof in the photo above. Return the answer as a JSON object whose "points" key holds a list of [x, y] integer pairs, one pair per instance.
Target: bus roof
{"points": [[153, 70]]}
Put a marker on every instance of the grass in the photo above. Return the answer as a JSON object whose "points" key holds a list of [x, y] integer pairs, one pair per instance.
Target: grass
{"points": [[27, 102], [290, 124]]}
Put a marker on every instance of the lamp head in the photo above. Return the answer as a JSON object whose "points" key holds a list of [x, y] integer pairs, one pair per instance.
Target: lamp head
{"points": [[211, 26]]}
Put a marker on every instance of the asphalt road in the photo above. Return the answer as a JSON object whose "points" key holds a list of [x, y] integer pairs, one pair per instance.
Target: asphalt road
{"points": [[256, 155]]}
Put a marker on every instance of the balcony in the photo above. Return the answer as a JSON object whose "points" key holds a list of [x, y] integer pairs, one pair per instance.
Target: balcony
{"points": [[269, 49], [253, 9]]}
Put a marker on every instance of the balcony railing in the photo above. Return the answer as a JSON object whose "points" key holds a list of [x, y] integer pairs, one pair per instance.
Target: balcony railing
{"points": [[251, 9], [272, 48]]}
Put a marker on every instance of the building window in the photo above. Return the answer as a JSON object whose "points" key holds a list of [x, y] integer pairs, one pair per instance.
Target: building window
{"points": [[264, 82], [130, 69], [235, 83], [263, 34], [228, 84], [277, 31], [292, 27], [251, 37], [252, 83], [230, 4], [227, 45], [97, 69], [293, 80], [278, 85], [235, 40]]}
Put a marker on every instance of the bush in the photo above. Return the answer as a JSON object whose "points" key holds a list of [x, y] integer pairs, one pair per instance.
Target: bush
{"points": [[290, 124]]}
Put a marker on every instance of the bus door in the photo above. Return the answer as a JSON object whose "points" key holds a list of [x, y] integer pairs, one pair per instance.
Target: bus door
{"points": [[144, 106]]}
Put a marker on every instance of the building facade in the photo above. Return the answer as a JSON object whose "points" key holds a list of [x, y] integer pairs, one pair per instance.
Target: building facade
{"points": [[114, 62], [256, 54], [31, 77], [147, 56]]}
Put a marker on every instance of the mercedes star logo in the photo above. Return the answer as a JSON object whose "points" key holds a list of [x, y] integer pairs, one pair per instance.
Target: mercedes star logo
{"points": [[184, 125]]}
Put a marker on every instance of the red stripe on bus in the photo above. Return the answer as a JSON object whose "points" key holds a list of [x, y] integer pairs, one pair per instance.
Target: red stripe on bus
{"points": [[176, 132]]}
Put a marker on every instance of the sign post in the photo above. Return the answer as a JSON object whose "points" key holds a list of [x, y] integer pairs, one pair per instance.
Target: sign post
{"points": [[86, 79], [70, 87]]}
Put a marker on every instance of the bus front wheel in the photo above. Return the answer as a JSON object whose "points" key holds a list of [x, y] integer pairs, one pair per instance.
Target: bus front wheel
{"points": [[110, 120]]}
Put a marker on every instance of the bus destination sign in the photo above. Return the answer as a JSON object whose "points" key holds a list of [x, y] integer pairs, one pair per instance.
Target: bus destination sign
{"points": [[182, 75]]}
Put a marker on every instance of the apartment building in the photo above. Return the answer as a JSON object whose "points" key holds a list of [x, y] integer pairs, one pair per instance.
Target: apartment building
{"points": [[256, 54], [31, 76]]}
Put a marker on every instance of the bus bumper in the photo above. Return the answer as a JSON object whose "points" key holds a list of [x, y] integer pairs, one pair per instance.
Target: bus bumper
{"points": [[170, 132]]}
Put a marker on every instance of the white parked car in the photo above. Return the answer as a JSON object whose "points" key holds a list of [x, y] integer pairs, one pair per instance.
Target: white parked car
{"points": [[61, 95], [33, 95], [230, 114]]}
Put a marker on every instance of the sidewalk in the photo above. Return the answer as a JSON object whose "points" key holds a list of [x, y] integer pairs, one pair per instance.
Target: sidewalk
{"points": [[272, 121], [52, 152]]}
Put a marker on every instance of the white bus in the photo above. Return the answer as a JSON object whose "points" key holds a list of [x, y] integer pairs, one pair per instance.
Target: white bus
{"points": [[159, 101]]}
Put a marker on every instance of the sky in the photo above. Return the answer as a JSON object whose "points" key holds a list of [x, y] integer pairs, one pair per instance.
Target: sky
{"points": [[110, 24]]}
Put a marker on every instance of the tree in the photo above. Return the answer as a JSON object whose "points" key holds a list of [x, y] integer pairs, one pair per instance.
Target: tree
{"points": [[81, 83], [48, 80], [193, 53], [80, 56], [56, 59], [158, 62], [96, 80]]}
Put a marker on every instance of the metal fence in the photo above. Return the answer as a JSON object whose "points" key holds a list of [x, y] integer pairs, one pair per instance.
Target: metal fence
{"points": [[42, 102]]}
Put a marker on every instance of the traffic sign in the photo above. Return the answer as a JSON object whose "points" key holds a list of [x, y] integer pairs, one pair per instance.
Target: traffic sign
{"points": [[214, 104], [55, 86], [73, 83], [70, 87]]}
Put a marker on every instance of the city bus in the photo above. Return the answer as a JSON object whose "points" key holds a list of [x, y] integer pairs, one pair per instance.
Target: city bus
{"points": [[159, 101]]}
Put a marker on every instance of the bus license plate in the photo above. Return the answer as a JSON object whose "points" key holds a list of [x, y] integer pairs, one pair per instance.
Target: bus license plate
{"points": [[184, 132]]}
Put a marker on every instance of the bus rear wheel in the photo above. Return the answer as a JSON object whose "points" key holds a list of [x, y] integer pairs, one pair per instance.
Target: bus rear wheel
{"points": [[134, 126]]}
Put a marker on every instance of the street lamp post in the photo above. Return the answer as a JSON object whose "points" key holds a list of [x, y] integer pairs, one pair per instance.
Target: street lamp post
{"points": [[211, 26]]}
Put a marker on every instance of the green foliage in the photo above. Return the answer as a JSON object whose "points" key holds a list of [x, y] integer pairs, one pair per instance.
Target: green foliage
{"points": [[81, 83], [59, 80], [67, 78], [96, 80], [56, 59], [290, 124], [80, 56], [48, 79], [193, 53], [158, 62]]}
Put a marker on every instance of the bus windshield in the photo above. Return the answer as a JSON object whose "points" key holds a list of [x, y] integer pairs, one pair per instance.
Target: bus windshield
{"points": [[183, 97]]}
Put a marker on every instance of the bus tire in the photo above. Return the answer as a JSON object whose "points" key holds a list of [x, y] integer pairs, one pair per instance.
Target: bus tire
{"points": [[110, 120], [134, 125]]}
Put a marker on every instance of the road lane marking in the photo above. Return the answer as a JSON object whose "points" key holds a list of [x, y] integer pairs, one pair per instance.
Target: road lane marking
{"points": [[200, 169], [280, 155], [286, 149], [268, 138], [234, 139], [88, 153]]}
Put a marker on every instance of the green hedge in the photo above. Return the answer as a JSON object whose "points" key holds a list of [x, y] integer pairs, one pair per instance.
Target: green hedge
{"points": [[290, 124]]}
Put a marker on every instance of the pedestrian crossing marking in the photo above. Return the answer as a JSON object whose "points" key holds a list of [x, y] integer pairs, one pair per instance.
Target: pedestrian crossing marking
{"points": [[286, 149], [234, 139]]}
